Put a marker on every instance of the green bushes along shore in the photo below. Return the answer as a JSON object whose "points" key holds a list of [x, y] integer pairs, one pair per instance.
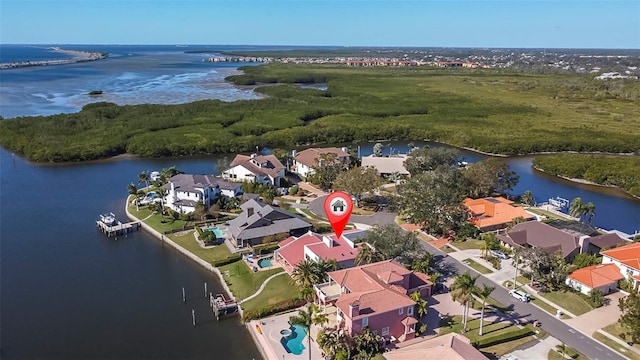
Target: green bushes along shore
{"points": [[488, 110]]}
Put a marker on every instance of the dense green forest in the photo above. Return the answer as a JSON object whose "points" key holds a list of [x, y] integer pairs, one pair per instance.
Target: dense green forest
{"points": [[489, 110], [621, 171]]}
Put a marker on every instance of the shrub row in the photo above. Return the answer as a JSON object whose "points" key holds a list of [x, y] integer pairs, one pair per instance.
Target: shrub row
{"points": [[501, 338], [272, 309], [265, 248], [228, 260]]}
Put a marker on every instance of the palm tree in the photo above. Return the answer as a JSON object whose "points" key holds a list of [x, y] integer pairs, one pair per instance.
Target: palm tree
{"points": [[423, 264], [143, 178], [305, 273], [422, 305], [435, 279], [162, 193], [589, 211], [367, 254], [329, 341], [307, 318], [132, 189], [483, 293], [462, 291], [527, 198], [576, 209]]}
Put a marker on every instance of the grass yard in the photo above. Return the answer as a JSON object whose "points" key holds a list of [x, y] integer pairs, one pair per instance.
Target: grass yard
{"points": [[279, 289], [469, 244], [243, 281], [616, 329], [188, 241], [454, 324], [155, 221], [447, 249], [569, 352], [616, 346], [491, 302], [546, 307], [569, 300], [477, 267]]}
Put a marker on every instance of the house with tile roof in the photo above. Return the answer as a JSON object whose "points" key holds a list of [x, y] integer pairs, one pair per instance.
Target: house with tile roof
{"points": [[375, 296], [550, 239], [386, 165], [450, 346], [263, 169], [603, 242], [627, 259], [604, 277], [305, 160], [184, 191], [259, 223], [313, 246], [493, 213]]}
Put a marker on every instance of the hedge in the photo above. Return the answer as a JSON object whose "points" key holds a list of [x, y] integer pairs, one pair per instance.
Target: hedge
{"points": [[228, 260], [265, 248], [267, 310], [501, 338]]}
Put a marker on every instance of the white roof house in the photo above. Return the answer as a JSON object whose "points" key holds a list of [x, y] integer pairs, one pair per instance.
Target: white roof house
{"points": [[264, 169], [386, 165], [306, 160]]}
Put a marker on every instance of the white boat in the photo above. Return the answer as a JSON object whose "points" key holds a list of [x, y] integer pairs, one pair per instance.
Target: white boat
{"points": [[108, 219]]}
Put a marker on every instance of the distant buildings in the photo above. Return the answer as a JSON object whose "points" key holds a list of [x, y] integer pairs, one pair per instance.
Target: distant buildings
{"points": [[184, 191], [305, 160], [263, 169]]}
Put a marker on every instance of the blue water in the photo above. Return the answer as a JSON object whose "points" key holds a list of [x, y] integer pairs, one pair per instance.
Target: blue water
{"points": [[293, 343], [264, 263], [217, 232], [21, 53]]}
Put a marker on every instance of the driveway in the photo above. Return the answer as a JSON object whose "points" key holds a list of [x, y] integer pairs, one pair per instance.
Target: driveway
{"points": [[596, 319], [379, 218]]}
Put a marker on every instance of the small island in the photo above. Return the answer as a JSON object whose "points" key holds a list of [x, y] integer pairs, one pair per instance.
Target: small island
{"points": [[95, 93], [77, 56]]}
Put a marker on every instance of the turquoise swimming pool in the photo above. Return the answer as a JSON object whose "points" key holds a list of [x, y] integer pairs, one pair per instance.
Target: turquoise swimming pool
{"points": [[217, 232], [293, 342], [265, 263]]}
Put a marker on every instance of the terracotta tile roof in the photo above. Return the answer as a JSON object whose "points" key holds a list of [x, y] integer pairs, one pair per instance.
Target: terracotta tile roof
{"points": [[597, 275], [628, 255], [446, 347], [492, 211], [409, 321], [308, 157], [292, 248], [379, 287], [410, 227], [259, 164]]}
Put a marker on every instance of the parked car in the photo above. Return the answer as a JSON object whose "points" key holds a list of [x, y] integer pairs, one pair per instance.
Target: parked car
{"points": [[499, 254], [520, 295]]}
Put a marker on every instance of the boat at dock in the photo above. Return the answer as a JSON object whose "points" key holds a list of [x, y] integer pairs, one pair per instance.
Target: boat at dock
{"points": [[109, 219], [222, 306], [111, 226]]}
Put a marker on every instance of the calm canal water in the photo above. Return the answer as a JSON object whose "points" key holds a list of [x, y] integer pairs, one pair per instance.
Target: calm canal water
{"points": [[68, 292]]}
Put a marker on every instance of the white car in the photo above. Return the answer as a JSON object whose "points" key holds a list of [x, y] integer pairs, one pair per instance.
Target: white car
{"points": [[520, 295], [499, 254]]}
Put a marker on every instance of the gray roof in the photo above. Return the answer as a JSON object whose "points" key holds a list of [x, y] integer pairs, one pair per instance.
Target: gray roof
{"points": [[259, 164], [190, 183], [266, 220], [607, 241], [538, 234]]}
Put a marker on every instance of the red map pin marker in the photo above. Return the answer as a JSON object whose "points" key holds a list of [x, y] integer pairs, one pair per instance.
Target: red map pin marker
{"points": [[338, 206]]}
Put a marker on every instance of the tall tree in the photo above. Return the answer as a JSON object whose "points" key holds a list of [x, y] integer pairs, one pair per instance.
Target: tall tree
{"points": [[305, 273], [326, 170], [367, 344], [462, 291], [308, 318], [489, 177], [630, 316], [167, 173], [422, 305], [424, 263], [394, 243], [358, 181], [528, 198], [428, 159], [132, 189], [483, 293], [367, 254], [577, 209], [433, 200], [143, 178], [377, 149]]}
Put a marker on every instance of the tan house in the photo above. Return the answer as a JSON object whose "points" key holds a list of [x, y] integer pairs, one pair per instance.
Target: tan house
{"points": [[386, 165], [305, 160]]}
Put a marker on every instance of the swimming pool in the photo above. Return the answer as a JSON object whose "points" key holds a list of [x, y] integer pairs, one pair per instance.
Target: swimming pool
{"points": [[293, 342], [217, 232], [265, 263]]}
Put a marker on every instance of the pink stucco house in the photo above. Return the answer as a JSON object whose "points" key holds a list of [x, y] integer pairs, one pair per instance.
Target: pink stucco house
{"points": [[375, 296]]}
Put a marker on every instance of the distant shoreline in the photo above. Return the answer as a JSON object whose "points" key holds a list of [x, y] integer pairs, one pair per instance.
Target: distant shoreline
{"points": [[77, 56]]}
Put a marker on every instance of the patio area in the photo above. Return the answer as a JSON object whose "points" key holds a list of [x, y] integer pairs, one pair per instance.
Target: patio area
{"points": [[269, 335]]}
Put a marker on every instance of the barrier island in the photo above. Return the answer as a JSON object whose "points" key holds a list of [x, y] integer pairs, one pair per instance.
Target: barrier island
{"points": [[76, 57], [492, 110]]}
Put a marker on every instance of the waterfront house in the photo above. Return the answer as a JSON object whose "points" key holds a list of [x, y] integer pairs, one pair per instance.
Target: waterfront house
{"points": [[313, 246], [627, 259], [605, 241], [375, 296], [604, 277], [259, 223], [305, 160], [263, 169], [550, 239], [386, 166], [450, 346], [184, 191], [493, 213]]}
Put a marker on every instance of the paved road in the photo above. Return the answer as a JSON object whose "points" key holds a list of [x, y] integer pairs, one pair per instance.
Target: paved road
{"points": [[557, 328], [379, 218]]}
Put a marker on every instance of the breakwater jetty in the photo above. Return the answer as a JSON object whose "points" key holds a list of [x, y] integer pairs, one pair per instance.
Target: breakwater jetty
{"points": [[77, 57]]}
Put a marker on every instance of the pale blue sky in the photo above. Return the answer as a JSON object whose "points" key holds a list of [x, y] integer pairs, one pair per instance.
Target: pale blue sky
{"points": [[514, 23]]}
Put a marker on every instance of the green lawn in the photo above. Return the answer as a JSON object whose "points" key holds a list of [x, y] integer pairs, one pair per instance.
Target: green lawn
{"points": [[188, 241], [616, 329], [279, 289], [548, 214], [156, 221], [555, 355], [548, 308], [492, 302], [477, 267], [616, 346], [469, 244], [569, 300], [454, 324], [243, 281]]}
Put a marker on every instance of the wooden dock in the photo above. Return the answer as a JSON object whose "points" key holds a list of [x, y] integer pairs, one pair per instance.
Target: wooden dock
{"points": [[119, 228], [221, 306]]}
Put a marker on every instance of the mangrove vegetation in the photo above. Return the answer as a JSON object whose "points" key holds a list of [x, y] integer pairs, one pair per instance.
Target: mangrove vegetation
{"points": [[489, 110]]}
